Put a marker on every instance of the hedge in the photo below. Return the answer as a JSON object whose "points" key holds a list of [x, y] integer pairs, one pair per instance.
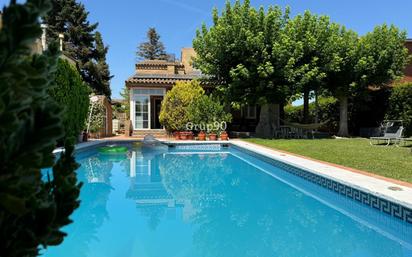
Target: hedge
{"points": [[72, 94]]}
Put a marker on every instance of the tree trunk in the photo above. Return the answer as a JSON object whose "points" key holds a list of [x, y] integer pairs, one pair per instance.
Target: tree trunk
{"points": [[316, 107], [343, 116], [306, 106], [268, 121]]}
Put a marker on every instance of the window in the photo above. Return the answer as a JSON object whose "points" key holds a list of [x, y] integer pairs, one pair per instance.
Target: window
{"points": [[249, 111], [142, 112], [148, 91]]}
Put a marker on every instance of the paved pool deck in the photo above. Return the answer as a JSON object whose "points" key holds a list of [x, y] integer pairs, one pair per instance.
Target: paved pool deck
{"points": [[393, 190]]}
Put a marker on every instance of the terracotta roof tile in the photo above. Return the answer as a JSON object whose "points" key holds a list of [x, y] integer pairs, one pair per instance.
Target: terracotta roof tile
{"points": [[158, 63], [162, 79]]}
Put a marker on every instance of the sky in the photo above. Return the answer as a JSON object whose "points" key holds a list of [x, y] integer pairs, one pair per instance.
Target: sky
{"points": [[124, 23]]}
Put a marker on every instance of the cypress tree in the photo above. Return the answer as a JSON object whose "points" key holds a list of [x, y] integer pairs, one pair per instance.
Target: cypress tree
{"points": [[153, 49]]}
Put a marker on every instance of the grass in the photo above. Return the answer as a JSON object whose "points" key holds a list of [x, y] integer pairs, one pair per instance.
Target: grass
{"points": [[391, 162]]}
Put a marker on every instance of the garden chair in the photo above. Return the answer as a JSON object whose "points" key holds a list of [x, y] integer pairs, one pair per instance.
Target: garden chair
{"points": [[404, 141], [391, 134], [284, 132]]}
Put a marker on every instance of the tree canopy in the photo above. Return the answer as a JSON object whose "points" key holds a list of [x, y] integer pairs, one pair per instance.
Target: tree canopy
{"points": [[305, 40], [81, 43], [153, 49], [258, 56], [236, 52], [101, 68], [373, 60]]}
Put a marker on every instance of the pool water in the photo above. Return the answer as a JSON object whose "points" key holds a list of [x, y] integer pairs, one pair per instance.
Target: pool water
{"points": [[162, 202]]}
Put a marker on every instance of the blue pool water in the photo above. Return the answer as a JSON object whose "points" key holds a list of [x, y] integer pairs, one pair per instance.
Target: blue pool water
{"points": [[161, 202]]}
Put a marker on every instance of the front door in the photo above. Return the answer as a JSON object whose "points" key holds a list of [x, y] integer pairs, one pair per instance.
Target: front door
{"points": [[155, 104]]}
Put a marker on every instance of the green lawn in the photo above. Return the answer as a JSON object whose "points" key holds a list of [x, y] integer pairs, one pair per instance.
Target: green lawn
{"points": [[392, 162]]}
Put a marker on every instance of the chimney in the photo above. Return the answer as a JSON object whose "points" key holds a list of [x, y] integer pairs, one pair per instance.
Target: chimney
{"points": [[43, 37], [188, 54]]}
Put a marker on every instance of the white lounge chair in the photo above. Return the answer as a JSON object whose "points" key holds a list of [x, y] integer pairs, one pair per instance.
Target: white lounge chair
{"points": [[392, 134], [405, 140]]}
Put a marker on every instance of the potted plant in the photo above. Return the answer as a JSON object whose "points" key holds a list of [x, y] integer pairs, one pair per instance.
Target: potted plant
{"points": [[190, 135], [176, 135], [224, 136], [183, 135], [212, 136], [208, 112], [201, 136]]}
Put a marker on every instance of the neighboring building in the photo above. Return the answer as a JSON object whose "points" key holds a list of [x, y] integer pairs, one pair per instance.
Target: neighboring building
{"points": [[408, 70]]}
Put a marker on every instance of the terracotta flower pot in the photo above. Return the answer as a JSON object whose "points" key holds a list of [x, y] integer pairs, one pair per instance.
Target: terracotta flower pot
{"points": [[212, 137], [201, 136], [190, 135], [183, 135], [176, 135], [224, 136]]}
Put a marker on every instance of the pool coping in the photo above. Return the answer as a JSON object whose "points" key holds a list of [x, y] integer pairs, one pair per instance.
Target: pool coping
{"points": [[369, 184], [366, 173], [363, 183]]}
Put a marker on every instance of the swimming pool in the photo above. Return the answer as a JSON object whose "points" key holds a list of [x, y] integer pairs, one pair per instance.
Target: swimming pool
{"points": [[158, 201]]}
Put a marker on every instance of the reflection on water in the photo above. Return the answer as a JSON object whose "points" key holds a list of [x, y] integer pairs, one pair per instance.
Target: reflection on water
{"points": [[95, 173], [148, 191], [154, 201]]}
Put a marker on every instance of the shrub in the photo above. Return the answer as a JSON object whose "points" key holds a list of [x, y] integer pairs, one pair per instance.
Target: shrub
{"points": [[206, 111], [400, 106], [72, 94], [33, 208], [97, 117], [174, 112]]}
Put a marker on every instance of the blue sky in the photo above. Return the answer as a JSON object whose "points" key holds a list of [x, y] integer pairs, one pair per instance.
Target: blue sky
{"points": [[124, 23]]}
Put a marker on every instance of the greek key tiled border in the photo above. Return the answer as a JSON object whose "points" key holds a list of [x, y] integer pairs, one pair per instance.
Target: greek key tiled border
{"points": [[206, 147], [396, 210]]}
